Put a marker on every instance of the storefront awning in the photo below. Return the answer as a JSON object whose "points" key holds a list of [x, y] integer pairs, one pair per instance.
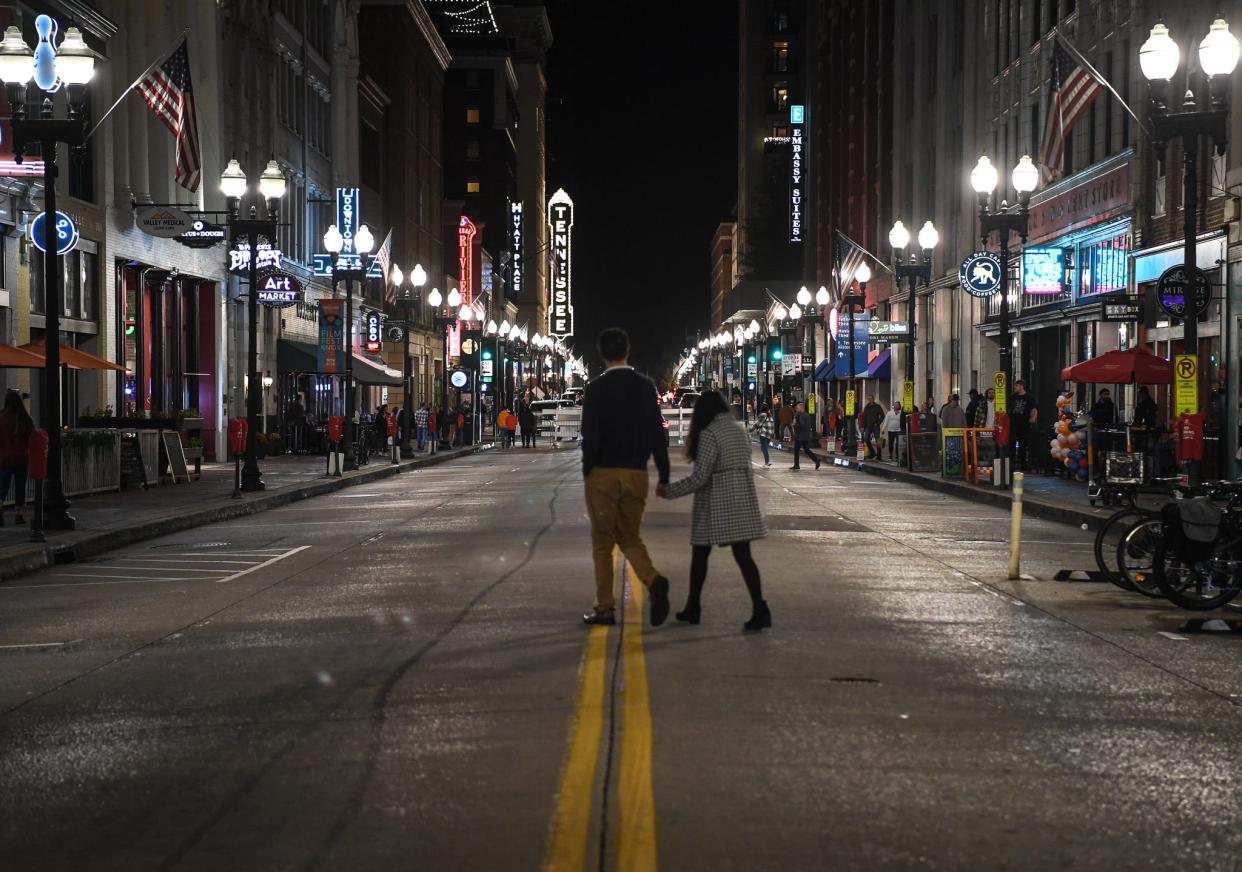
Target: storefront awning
{"points": [[19, 358], [880, 365], [294, 356], [368, 372], [823, 372]]}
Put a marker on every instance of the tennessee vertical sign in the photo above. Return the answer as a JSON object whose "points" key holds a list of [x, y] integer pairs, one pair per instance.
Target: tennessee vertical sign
{"points": [[561, 223]]}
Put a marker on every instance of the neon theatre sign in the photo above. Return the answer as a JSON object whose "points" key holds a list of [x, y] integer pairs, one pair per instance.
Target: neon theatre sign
{"points": [[797, 115], [515, 226], [267, 257], [466, 232], [561, 222], [348, 220]]}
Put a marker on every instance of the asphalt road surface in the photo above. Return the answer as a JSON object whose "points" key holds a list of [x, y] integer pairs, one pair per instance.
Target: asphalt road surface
{"points": [[396, 677]]}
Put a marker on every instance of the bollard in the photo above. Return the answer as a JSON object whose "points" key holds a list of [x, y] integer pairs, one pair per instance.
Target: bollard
{"points": [[1015, 526]]}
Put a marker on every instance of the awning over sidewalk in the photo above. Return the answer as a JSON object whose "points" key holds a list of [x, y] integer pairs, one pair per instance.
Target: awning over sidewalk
{"points": [[19, 358], [293, 356], [880, 366], [368, 372], [74, 358], [823, 372]]}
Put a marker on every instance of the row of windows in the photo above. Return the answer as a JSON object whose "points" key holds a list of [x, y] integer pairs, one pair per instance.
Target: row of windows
{"points": [[1041, 16], [80, 278], [302, 109], [311, 18]]}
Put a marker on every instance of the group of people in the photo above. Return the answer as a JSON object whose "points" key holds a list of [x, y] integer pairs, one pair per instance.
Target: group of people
{"points": [[622, 428]]}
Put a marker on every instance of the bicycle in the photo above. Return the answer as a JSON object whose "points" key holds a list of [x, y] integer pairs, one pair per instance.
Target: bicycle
{"points": [[1118, 525]]}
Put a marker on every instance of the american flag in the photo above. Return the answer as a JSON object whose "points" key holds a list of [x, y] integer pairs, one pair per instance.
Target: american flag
{"points": [[168, 92], [384, 256], [850, 256], [1073, 89]]}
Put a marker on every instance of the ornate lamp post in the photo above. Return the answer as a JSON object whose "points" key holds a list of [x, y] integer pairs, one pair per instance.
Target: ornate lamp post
{"points": [[912, 271], [408, 298], [72, 65], [272, 188], [349, 269], [1004, 221], [1159, 58]]}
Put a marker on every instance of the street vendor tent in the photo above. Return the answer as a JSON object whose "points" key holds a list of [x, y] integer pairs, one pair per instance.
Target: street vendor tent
{"points": [[1135, 366]]}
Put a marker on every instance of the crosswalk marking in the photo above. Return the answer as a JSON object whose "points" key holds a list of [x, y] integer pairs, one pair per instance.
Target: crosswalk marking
{"points": [[145, 568]]}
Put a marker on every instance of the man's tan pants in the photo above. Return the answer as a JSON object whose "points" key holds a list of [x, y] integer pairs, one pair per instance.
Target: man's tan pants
{"points": [[615, 500]]}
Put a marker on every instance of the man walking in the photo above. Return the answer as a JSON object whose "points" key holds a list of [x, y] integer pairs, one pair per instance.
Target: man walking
{"points": [[873, 417], [621, 427], [1023, 413], [421, 416], [803, 429]]}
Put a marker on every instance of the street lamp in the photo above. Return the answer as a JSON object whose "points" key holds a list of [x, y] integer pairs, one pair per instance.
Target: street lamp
{"points": [[851, 301], [1159, 58], [73, 66], [912, 270], [233, 185], [1004, 221], [408, 298], [350, 268]]}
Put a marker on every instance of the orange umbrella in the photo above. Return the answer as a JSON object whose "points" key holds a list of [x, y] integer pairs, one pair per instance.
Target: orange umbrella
{"points": [[19, 358], [74, 358]]}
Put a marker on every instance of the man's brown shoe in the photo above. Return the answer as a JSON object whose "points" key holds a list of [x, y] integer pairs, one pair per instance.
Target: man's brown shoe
{"points": [[606, 618]]}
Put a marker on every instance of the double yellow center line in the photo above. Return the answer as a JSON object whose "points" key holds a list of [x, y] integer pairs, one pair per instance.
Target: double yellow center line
{"points": [[634, 838]]}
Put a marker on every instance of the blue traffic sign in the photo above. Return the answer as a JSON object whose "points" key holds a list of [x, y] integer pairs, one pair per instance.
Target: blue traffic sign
{"points": [[980, 274], [66, 232]]}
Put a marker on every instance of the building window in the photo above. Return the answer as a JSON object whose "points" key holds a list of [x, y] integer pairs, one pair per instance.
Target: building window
{"points": [[369, 152], [780, 57], [472, 149], [780, 20], [473, 186], [1217, 186], [780, 96], [472, 116], [1160, 191], [82, 163]]}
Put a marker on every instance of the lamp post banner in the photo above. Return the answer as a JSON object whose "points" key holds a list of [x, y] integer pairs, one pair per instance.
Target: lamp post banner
{"points": [[980, 274], [331, 337]]}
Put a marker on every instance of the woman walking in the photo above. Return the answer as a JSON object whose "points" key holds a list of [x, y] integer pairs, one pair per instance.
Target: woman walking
{"points": [[890, 429], [764, 429], [15, 429], [726, 507]]}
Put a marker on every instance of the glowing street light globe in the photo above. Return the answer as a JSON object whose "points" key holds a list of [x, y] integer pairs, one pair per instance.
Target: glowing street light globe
{"points": [[899, 236], [863, 274], [804, 297], [1160, 55], [929, 236], [454, 297], [1025, 177], [1218, 53], [983, 177], [434, 298], [821, 297]]}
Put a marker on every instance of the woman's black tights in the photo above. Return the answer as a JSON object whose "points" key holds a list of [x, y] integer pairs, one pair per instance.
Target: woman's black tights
{"points": [[746, 563]]}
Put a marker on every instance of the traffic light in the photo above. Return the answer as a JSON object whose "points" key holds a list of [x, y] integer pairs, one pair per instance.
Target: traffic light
{"points": [[750, 358], [775, 353], [487, 354]]}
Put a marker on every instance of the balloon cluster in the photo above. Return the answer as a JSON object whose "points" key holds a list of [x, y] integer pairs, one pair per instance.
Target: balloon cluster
{"points": [[1067, 447]]}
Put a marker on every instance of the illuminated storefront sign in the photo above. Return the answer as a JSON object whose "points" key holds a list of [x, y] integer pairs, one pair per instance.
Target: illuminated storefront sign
{"points": [[515, 225], [561, 223], [466, 233], [1108, 261], [374, 339], [268, 257], [1043, 271], [797, 114], [348, 220]]}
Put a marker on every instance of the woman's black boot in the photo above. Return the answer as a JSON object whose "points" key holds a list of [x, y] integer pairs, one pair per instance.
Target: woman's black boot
{"points": [[690, 614], [760, 617]]}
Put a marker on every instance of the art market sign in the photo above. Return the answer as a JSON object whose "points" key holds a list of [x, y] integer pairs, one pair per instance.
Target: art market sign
{"points": [[279, 289]]}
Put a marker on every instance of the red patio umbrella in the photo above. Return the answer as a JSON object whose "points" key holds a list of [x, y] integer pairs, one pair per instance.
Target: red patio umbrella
{"points": [[1136, 366], [19, 358], [74, 358]]}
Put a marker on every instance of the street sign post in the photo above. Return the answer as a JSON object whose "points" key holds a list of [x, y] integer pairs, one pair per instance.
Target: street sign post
{"points": [[907, 396], [1185, 384], [849, 403]]}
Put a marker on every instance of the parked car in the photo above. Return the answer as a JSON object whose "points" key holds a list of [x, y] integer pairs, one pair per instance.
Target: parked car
{"points": [[688, 399]]}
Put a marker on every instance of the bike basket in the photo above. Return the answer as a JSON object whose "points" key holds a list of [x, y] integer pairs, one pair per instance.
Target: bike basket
{"points": [[1123, 468], [1190, 526]]}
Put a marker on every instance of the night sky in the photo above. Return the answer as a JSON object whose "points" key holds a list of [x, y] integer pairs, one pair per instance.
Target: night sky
{"points": [[642, 134]]}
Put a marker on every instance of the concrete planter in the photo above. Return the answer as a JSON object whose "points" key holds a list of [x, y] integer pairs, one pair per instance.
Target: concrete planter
{"points": [[91, 468]]}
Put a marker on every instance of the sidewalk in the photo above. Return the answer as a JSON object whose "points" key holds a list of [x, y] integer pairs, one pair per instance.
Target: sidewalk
{"points": [[108, 521], [1044, 496]]}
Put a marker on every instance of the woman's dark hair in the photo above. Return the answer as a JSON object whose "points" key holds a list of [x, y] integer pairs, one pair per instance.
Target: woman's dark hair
{"points": [[14, 406], [706, 408]]}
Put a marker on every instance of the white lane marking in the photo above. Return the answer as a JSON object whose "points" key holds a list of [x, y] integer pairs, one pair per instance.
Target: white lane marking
{"points": [[267, 552], [146, 569], [355, 496], [266, 563], [35, 645], [1176, 637], [180, 562], [124, 579]]}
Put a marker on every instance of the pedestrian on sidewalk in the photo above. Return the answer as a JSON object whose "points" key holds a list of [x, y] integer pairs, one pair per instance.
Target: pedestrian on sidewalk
{"points": [[295, 424], [726, 507], [422, 416], [985, 413], [804, 431], [928, 422], [891, 428], [1023, 415], [785, 417], [1103, 411], [622, 426], [952, 415], [872, 418], [526, 418], [433, 430], [15, 429], [972, 407], [763, 428]]}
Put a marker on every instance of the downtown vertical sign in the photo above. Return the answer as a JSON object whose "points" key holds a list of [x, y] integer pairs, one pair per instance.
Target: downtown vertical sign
{"points": [[797, 143], [561, 225], [515, 253]]}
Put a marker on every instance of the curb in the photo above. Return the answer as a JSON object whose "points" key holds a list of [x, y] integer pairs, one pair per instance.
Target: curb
{"points": [[1036, 507], [28, 558]]}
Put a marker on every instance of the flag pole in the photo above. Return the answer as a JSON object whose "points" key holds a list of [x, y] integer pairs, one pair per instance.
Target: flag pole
{"points": [[1078, 56], [159, 60]]}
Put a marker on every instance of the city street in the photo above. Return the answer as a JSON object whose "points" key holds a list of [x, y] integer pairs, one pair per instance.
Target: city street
{"points": [[395, 676]]}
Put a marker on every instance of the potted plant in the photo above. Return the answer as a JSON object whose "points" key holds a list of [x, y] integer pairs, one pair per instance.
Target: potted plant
{"points": [[193, 447], [260, 444], [190, 419], [275, 444]]}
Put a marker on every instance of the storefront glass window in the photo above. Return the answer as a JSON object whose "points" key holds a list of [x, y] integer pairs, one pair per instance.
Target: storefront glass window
{"points": [[1044, 269], [1104, 265]]}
